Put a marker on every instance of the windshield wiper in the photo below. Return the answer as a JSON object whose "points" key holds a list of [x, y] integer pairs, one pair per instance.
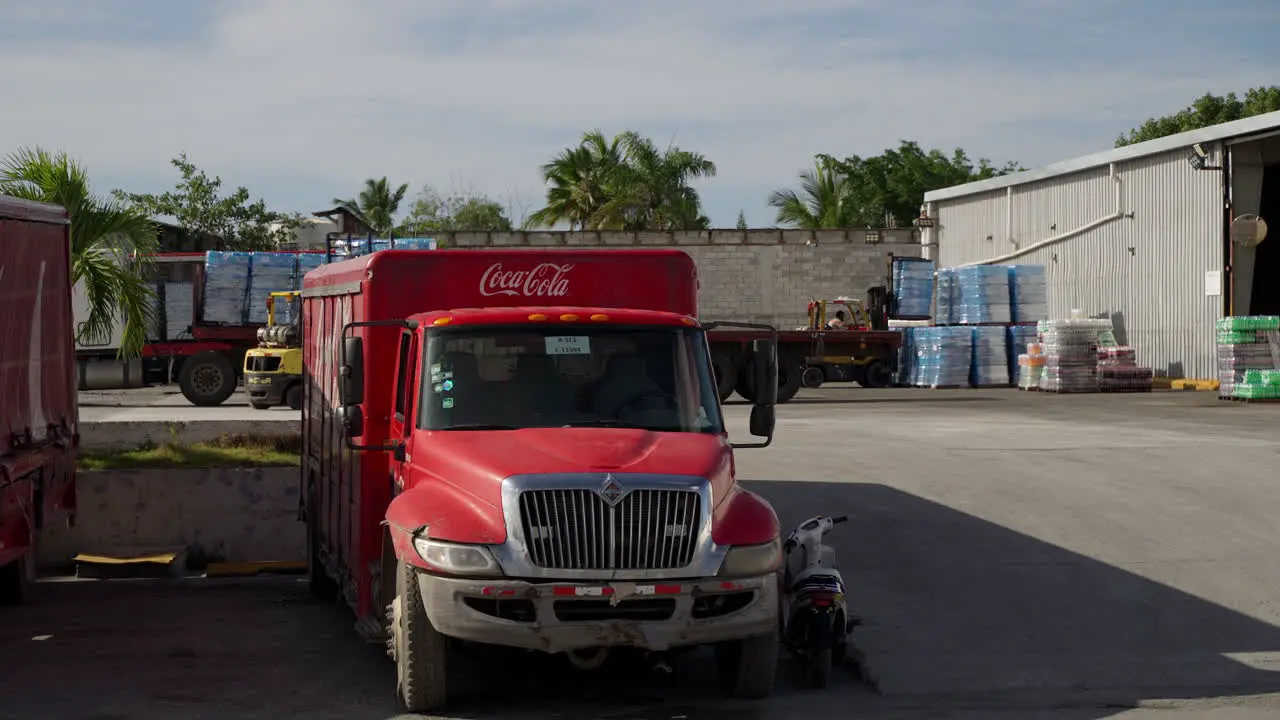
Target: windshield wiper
{"points": [[479, 426], [600, 423]]}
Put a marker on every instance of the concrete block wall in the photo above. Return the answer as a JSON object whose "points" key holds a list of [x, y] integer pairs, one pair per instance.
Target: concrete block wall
{"points": [[749, 276]]}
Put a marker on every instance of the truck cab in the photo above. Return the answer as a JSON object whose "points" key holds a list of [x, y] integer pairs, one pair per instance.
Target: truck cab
{"points": [[561, 480]]}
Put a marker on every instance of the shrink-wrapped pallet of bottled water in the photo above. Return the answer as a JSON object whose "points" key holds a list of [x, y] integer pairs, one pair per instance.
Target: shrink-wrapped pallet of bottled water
{"points": [[1030, 367], [913, 287], [1028, 293], [1248, 346], [989, 364], [226, 286], [269, 272], [178, 310], [945, 313], [905, 375], [1071, 354], [1019, 337], [943, 356], [982, 295], [306, 263]]}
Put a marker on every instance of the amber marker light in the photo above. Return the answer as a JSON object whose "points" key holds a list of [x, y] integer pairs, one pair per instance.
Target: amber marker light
{"points": [[537, 317], [567, 317], [600, 317], [441, 321], [688, 321]]}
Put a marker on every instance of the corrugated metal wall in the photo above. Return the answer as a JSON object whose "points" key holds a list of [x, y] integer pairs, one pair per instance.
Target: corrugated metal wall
{"points": [[1146, 272]]}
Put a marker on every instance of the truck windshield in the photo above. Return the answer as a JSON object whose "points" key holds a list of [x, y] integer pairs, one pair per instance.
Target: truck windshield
{"points": [[505, 378]]}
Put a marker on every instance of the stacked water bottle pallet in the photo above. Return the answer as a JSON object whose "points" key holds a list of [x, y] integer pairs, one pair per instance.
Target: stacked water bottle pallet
{"points": [[1071, 355], [912, 288], [989, 365], [237, 284], [1249, 358], [943, 356], [350, 247], [1031, 367]]}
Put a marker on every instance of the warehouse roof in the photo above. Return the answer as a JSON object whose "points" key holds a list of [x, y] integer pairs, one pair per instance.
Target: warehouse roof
{"points": [[1213, 133]]}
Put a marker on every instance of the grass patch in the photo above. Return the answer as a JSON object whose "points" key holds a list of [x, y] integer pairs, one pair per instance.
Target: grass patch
{"points": [[228, 451]]}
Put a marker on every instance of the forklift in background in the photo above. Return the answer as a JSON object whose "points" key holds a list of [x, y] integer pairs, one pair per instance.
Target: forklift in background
{"points": [[868, 370], [273, 370]]}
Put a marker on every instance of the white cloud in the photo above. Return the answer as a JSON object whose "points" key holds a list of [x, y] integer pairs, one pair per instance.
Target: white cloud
{"points": [[340, 90]]}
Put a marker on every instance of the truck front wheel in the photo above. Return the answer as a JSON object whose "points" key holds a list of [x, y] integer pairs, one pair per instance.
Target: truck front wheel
{"points": [[421, 652], [207, 378], [748, 667]]}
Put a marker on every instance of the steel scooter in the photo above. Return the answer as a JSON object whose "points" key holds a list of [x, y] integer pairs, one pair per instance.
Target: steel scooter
{"points": [[815, 620]]}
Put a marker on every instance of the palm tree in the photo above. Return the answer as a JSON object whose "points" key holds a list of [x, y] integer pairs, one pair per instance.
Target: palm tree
{"points": [[376, 205], [578, 180], [103, 233], [650, 190], [822, 203]]}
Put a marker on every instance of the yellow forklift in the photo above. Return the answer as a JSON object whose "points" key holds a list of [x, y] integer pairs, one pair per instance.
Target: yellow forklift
{"points": [[273, 370]]}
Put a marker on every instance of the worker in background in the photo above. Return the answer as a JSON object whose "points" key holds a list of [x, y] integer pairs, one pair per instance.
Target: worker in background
{"points": [[838, 322]]}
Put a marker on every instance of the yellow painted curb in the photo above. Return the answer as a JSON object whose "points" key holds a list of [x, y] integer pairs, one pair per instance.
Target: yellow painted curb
{"points": [[1161, 382], [248, 569], [1194, 384]]}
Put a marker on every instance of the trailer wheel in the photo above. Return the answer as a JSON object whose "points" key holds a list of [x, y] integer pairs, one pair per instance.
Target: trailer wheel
{"points": [[421, 652], [15, 581], [790, 378], [876, 375], [293, 396], [725, 367], [748, 667], [207, 378]]}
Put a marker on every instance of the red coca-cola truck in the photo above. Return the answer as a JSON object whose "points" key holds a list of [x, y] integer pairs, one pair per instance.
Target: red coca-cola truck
{"points": [[526, 449], [38, 436]]}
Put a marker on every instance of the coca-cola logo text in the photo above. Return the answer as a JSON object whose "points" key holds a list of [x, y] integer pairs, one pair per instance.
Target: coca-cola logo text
{"points": [[543, 280]]}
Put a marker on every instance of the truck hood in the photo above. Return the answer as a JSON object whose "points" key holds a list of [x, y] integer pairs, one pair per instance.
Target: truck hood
{"points": [[478, 461]]}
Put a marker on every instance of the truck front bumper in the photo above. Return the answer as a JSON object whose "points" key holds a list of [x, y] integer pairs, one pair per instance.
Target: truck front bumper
{"points": [[557, 617]]}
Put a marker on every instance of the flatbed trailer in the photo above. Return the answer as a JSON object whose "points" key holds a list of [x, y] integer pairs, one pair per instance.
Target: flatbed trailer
{"points": [[798, 351]]}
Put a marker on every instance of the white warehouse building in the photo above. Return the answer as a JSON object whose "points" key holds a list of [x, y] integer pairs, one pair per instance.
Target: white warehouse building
{"points": [[1140, 234]]}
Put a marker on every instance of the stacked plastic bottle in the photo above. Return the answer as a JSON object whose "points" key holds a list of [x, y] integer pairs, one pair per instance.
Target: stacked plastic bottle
{"points": [[989, 363], [906, 358], [945, 313], [913, 287], [1071, 354], [1031, 367], [226, 286], [358, 247], [1028, 294], [1020, 336], [943, 356], [306, 263], [268, 273], [1248, 347], [1118, 370], [178, 310], [982, 295]]}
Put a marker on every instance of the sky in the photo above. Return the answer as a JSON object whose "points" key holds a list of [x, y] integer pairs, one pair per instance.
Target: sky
{"points": [[301, 100]]}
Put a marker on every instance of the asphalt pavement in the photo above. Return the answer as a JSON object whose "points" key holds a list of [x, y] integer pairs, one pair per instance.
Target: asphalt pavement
{"points": [[1014, 555]]}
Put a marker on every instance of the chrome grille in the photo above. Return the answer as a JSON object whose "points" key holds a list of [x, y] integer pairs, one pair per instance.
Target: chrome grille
{"points": [[578, 530]]}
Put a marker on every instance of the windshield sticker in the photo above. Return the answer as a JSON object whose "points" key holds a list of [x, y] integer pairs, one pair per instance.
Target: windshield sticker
{"points": [[446, 403], [437, 373], [568, 345], [438, 387], [446, 386]]}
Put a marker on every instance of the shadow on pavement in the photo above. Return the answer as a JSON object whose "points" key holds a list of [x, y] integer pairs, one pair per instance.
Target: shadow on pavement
{"points": [[955, 605]]}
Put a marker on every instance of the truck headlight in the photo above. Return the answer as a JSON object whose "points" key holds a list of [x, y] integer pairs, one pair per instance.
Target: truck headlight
{"points": [[456, 559], [752, 560]]}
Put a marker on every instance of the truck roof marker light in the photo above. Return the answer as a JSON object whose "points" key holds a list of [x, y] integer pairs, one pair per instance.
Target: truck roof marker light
{"points": [[537, 317], [568, 317], [441, 321], [688, 321], [600, 317]]}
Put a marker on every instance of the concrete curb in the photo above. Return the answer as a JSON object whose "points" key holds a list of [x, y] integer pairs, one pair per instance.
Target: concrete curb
{"points": [[233, 515]]}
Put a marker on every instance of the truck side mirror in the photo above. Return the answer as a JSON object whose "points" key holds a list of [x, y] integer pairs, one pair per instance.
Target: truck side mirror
{"points": [[763, 420], [352, 419], [351, 372], [765, 365]]}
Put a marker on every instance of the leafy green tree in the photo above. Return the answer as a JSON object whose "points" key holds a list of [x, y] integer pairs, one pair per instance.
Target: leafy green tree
{"points": [[432, 212], [888, 189], [198, 208], [623, 183], [104, 231], [823, 201], [377, 204], [742, 221], [1207, 110]]}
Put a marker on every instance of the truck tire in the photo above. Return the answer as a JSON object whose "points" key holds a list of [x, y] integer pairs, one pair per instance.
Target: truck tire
{"points": [[15, 581], [876, 374], [790, 378], [421, 652], [293, 396], [207, 378], [725, 367], [748, 667]]}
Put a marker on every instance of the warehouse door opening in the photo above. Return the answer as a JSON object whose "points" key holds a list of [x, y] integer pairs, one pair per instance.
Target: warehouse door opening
{"points": [[1265, 299]]}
